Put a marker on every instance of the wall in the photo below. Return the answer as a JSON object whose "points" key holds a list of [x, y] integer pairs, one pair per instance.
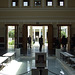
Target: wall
{"points": [[4, 3], [30, 15]]}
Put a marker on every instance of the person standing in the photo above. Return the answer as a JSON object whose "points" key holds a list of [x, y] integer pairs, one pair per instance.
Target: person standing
{"points": [[29, 41], [41, 43], [64, 42]]}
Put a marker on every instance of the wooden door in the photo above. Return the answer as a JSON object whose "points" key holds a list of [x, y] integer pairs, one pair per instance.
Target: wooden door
{"points": [[69, 37], [24, 34], [6, 37], [50, 39], [59, 34]]}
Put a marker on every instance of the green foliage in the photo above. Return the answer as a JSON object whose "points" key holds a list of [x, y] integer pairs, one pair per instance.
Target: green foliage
{"points": [[63, 33], [11, 34], [12, 42]]}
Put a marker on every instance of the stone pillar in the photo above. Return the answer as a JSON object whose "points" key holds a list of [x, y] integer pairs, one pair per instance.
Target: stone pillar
{"points": [[20, 3], [34, 33], [31, 34], [54, 3], [9, 3], [43, 3], [43, 30], [28, 31], [31, 3], [39, 32], [45, 34], [66, 3]]}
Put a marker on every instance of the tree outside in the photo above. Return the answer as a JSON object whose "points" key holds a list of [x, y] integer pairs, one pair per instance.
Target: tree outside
{"points": [[63, 33], [11, 36]]}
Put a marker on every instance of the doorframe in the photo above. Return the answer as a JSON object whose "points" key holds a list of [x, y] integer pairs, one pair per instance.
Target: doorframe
{"points": [[69, 33], [50, 36], [6, 35]]}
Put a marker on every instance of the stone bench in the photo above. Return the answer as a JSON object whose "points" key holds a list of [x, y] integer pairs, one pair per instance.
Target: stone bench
{"points": [[9, 54]]}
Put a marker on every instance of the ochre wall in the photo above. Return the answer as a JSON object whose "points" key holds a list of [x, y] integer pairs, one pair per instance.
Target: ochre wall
{"points": [[71, 3], [32, 15], [4, 3]]}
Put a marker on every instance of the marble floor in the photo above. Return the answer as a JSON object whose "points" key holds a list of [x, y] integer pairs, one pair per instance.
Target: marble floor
{"points": [[23, 64]]}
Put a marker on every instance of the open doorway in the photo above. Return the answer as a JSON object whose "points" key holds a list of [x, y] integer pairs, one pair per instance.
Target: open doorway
{"points": [[35, 32], [49, 36], [64, 30], [11, 37]]}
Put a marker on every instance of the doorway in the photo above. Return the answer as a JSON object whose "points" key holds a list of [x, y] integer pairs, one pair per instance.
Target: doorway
{"points": [[11, 37], [64, 30], [49, 36], [35, 32]]}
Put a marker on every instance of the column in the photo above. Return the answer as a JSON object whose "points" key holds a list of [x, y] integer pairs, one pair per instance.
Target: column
{"points": [[54, 3], [28, 31], [31, 3], [31, 34], [39, 32], [45, 34], [34, 33], [9, 3], [43, 30], [20, 3], [43, 3], [66, 3]]}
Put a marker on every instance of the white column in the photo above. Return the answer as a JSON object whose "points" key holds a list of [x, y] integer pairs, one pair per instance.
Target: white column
{"points": [[28, 31], [43, 30], [31, 34], [39, 32], [45, 34], [34, 33]]}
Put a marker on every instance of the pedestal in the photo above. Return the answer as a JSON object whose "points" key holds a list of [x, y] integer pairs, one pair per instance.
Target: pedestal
{"points": [[17, 51], [39, 71], [58, 53]]}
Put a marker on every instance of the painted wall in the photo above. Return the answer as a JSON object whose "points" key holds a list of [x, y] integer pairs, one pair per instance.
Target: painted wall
{"points": [[31, 15], [4, 3]]}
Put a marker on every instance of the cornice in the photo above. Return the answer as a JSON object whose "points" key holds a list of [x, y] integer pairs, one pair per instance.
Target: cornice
{"points": [[37, 9], [49, 17], [34, 21], [37, 16]]}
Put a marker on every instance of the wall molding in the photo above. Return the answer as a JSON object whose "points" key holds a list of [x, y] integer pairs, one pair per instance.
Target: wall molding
{"points": [[27, 19], [38, 9], [6, 17], [34, 21]]}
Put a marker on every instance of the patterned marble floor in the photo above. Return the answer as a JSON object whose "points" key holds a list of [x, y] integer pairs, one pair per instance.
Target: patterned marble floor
{"points": [[25, 63]]}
